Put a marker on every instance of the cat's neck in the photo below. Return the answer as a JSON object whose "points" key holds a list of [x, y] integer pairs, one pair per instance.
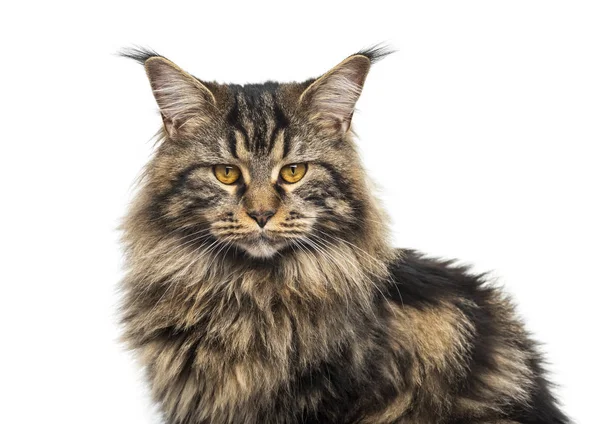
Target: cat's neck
{"points": [[182, 287], [327, 271]]}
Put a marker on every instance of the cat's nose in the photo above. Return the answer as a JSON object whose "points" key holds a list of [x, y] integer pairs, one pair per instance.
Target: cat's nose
{"points": [[261, 217]]}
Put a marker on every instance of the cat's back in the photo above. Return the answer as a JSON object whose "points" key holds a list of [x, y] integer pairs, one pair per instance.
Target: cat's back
{"points": [[467, 353]]}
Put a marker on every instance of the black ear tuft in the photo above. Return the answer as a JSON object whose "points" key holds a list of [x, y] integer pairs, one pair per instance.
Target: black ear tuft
{"points": [[376, 53], [139, 54]]}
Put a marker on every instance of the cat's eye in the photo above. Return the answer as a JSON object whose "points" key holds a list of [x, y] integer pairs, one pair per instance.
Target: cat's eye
{"points": [[293, 173], [227, 174]]}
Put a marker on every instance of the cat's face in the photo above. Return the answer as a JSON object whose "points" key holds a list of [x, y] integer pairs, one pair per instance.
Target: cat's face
{"points": [[265, 169]]}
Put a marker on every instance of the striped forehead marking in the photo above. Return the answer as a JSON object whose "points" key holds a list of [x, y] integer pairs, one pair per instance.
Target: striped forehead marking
{"points": [[257, 123]]}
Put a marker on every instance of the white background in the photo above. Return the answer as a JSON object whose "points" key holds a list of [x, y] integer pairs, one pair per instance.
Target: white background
{"points": [[482, 133]]}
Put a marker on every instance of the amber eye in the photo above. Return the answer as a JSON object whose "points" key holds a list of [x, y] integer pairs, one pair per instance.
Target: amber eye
{"points": [[293, 173], [227, 174]]}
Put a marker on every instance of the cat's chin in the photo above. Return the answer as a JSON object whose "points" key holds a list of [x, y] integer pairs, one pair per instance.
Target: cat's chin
{"points": [[262, 248]]}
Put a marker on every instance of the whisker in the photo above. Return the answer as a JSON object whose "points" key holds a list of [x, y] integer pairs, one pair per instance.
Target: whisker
{"points": [[361, 271]]}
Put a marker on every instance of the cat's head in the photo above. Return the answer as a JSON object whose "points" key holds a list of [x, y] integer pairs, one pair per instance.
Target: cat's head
{"points": [[263, 168]]}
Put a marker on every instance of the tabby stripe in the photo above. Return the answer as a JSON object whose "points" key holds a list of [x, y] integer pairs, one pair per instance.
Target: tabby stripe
{"points": [[339, 181], [232, 139], [233, 118], [260, 133], [286, 144], [281, 122]]}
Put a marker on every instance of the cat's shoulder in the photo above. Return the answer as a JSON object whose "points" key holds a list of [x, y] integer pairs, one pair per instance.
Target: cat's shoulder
{"points": [[418, 278]]}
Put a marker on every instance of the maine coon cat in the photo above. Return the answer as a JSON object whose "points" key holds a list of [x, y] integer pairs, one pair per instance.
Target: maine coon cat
{"points": [[261, 286]]}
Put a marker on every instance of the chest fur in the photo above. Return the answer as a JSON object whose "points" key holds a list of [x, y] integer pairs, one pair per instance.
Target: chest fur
{"points": [[235, 359]]}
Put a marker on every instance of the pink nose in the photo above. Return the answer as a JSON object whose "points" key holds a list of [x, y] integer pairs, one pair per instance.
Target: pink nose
{"points": [[261, 217]]}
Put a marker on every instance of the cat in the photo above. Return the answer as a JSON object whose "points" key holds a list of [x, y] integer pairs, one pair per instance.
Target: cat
{"points": [[261, 286]]}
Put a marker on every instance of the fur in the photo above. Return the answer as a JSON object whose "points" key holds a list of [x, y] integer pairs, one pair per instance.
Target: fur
{"points": [[315, 318]]}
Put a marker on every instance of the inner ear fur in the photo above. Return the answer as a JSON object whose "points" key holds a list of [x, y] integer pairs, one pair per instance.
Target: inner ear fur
{"points": [[331, 99], [184, 102]]}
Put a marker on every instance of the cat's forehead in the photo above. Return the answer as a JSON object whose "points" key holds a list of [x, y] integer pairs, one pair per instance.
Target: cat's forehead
{"points": [[253, 103], [258, 117]]}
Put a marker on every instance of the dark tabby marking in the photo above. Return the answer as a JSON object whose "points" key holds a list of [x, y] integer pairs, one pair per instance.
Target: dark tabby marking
{"points": [[309, 316]]}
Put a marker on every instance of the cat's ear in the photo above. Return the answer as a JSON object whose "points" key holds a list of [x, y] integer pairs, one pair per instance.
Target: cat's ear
{"points": [[184, 102], [330, 100]]}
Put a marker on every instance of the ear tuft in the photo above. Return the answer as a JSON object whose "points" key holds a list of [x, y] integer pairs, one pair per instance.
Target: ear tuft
{"points": [[139, 54], [376, 53]]}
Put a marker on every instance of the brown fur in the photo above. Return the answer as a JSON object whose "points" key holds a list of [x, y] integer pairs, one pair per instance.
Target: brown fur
{"points": [[325, 322]]}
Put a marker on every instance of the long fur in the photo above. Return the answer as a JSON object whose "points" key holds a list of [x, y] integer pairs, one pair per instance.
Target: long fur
{"points": [[330, 324]]}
